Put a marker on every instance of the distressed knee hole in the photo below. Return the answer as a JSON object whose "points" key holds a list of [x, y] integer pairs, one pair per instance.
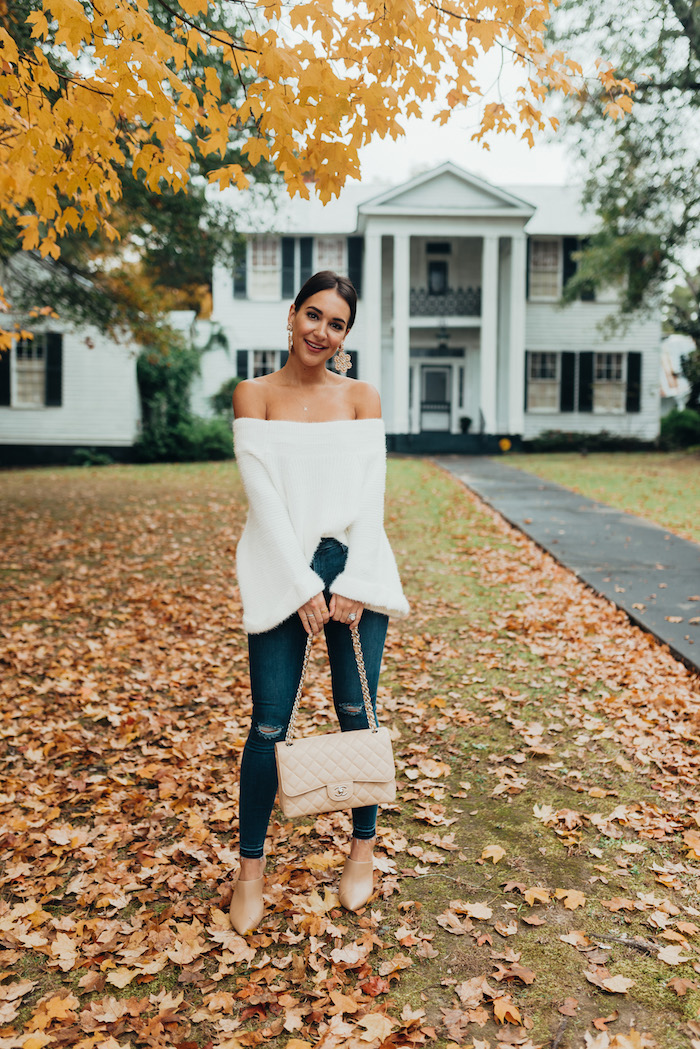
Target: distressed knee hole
{"points": [[351, 709], [268, 731]]}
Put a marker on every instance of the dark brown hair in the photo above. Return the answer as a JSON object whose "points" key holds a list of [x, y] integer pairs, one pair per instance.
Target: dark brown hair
{"points": [[326, 280]]}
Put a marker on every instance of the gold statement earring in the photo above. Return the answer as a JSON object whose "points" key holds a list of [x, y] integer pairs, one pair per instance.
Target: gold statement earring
{"points": [[289, 336], [342, 361]]}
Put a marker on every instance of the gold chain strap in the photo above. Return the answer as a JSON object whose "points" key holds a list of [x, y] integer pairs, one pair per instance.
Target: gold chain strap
{"points": [[359, 659]]}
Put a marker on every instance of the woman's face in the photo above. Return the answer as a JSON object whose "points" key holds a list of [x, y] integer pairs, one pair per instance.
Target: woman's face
{"points": [[319, 326]]}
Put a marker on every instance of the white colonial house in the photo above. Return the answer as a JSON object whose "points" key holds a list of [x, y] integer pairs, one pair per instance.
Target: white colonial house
{"points": [[459, 324]]}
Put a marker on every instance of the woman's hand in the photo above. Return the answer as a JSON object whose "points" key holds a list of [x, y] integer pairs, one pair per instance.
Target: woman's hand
{"points": [[314, 614], [342, 608]]}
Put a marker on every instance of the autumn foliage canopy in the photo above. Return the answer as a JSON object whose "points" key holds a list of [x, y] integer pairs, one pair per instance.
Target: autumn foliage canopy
{"points": [[90, 90]]}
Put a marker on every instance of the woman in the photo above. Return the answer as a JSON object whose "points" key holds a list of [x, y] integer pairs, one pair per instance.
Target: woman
{"points": [[313, 557]]}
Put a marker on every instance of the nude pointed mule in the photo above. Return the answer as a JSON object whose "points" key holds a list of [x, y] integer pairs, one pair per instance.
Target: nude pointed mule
{"points": [[356, 884], [247, 907]]}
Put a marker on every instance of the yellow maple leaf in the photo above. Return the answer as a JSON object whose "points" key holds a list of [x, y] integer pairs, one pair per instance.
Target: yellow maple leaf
{"points": [[538, 894], [377, 1026], [493, 852], [571, 898], [506, 1011]]}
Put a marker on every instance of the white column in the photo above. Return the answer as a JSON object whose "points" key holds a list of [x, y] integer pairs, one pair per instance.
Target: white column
{"points": [[402, 280], [489, 332], [415, 405], [516, 349], [371, 352]]}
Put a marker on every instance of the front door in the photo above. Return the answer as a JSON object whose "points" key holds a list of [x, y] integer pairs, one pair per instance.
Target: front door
{"points": [[435, 397]]}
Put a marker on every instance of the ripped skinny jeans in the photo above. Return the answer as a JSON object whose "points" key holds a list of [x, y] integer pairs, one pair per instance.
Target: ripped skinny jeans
{"points": [[276, 658]]}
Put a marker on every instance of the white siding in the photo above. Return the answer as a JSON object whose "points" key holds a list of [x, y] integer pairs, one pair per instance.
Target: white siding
{"points": [[448, 190], [576, 327], [100, 398]]}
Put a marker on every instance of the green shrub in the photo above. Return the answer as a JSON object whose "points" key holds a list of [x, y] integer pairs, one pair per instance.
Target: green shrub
{"points": [[221, 400], [680, 428], [89, 457], [205, 439], [574, 441], [190, 440]]}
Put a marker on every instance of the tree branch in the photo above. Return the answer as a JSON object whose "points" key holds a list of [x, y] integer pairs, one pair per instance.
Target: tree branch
{"points": [[206, 32]]}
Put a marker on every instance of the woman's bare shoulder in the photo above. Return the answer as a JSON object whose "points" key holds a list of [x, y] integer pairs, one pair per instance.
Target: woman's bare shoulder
{"points": [[366, 400], [249, 400]]}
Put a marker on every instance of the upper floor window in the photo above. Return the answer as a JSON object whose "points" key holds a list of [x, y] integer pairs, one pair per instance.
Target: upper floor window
{"points": [[264, 276], [437, 277], [545, 268], [330, 254]]}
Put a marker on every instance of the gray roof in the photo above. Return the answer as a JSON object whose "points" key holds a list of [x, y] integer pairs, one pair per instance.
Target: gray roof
{"points": [[558, 209]]}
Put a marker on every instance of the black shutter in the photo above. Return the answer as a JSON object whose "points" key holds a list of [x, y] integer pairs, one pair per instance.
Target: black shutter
{"points": [[585, 382], [284, 357], [355, 247], [354, 370], [240, 276], [242, 364], [570, 265], [306, 248], [288, 289], [588, 289], [5, 379], [634, 382], [54, 370], [527, 269], [567, 384], [527, 372]]}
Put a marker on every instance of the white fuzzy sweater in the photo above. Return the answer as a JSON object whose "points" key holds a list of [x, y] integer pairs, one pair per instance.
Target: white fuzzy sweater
{"points": [[305, 481]]}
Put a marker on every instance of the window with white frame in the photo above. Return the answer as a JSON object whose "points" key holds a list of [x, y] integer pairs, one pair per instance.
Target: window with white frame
{"points": [[264, 282], [330, 254], [545, 268], [609, 382], [30, 372], [264, 362], [543, 382]]}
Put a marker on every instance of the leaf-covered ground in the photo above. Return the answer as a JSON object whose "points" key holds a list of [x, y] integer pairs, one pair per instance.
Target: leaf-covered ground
{"points": [[660, 486], [538, 877]]}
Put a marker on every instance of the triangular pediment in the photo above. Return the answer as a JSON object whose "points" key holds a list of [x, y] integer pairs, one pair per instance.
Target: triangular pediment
{"points": [[446, 188]]}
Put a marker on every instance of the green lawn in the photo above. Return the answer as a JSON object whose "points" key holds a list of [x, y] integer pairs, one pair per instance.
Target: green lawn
{"points": [[661, 486], [537, 875]]}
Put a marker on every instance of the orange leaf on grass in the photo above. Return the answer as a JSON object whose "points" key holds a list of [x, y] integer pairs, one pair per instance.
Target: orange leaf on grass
{"points": [[600, 1022], [571, 898], [506, 1011]]}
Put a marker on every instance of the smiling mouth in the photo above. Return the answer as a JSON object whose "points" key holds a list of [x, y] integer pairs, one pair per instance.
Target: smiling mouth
{"points": [[314, 347]]}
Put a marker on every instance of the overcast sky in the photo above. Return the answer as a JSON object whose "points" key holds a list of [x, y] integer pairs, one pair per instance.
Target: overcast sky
{"points": [[427, 145], [509, 160]]}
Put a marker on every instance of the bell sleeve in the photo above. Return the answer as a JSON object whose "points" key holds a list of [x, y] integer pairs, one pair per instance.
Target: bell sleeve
{"points": [[274, 576], [370, 575]]}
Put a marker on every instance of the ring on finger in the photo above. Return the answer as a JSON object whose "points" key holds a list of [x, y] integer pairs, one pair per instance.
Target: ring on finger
{"points": [[352, 616]]}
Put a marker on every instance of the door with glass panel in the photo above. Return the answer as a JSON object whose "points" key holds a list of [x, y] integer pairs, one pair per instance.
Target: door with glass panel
{"points": [[436, 397]]}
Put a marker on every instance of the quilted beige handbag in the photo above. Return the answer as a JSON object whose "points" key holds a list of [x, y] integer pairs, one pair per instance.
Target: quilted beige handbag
{"points": [[336, 770]]}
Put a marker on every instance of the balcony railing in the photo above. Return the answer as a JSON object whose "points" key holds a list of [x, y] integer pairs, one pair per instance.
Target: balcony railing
{"points": [[455, 302]]}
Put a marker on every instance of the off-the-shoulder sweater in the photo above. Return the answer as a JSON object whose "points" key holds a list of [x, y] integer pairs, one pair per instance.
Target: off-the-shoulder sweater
{"points": [[306, 481]]}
